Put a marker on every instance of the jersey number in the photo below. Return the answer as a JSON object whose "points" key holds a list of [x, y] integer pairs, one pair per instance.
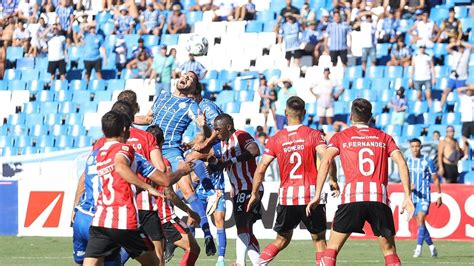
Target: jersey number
{"points": [[363, 161], [295, 158], [110, 178]]}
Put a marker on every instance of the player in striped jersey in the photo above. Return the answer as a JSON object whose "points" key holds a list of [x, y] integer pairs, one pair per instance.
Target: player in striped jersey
{"points": [[364, 155], [422, 172], [239, 151], [296, 148]]}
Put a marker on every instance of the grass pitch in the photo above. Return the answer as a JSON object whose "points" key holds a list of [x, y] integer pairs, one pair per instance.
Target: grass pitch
{"points": [[58, 251]]}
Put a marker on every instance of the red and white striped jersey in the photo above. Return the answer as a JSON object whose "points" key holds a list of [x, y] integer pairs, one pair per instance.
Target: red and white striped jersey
{"points": [[116, 206], [165, 207], [295, 149], [364, 156], [240, 173], [143, 143]]}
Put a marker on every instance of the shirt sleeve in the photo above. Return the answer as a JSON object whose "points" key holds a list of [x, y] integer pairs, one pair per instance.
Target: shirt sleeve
{"points": [[318, 139], [245, 139], [151, 142], [127, 151], [270, 147], [335, 142], [391, 145]]}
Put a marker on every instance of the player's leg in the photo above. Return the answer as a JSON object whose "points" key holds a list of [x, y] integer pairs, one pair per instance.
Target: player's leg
{"points": [[101, 244], [423, 233], [137, 245], [80, 236], [282, 240], [151, 224], [316, 225], [219, 219], [389, 250], [177, 233]]}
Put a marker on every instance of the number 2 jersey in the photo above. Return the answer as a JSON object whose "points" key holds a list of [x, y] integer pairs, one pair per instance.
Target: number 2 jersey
{"points": [[364, 156], [295, 149]]}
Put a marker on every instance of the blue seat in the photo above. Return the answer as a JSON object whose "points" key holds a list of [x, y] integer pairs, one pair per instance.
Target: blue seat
{"points": [[74, 119], [100, 96], [58, 130], [81, 96], [48, 149], [269, 73], [49, 107], [87, 107], [269, 26], [375, 72], [16, 119], [53, 119], [412, 131], [74, 74], [193, 17], [35, 85], [244, 96], [418, 107], [227, 76], [29, 150], [383, 120], [461, 11], [311, 108], [23, 141], [67, 107], [452, 118], [6, 141], [225, 97], [44, 76], [440, 49], [39, 130], [366, 94], [115, 84], [16, 85], [31, 107], [467, 23], [214, 85], [131, 40], [353, 72], [469, 178], [34, 119], [3, 85], [393, 72], [29, 74], [211, 74], [63, 96], [379, 84], [361, 83], [439, 12], [107, 28], [232, 107], [59, 85], [77, 85], [41, 63], [109, 42], [340, 107], [14, 53], [393, 130], [12, 74], [266, 15], [169, 39], [45, 141], [82, 141], [396, 83], [103, 17], [95, 133], [75, 53], [382, 49], [77, 130], [254, 26], [441, 71], [25, 63], [9, 151], [110, 72], [187, 4]]}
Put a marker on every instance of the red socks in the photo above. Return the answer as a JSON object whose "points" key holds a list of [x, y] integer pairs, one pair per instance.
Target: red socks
{"points": [[318, 257], [269, 253], [189, 259], [392, 260], [328, 257]]}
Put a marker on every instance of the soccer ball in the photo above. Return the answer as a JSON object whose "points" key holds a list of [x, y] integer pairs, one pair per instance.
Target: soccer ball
{"points": [[197, 45]]}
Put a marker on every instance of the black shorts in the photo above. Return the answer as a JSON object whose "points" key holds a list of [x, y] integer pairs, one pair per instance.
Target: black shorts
{"points": [[174, 230], [104, 242], [242, 217], [289, 217], [335, 54], [151, 224], [297, 54], [96, 65], [451, 172], [351, 217], [467, 129], [57, 65]]}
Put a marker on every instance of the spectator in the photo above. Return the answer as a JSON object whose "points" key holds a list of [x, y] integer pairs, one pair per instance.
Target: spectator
{"points": [[399, 106], [28, 10], [93, 44], [387, 30], [246, 11], [400, 54], [8, 29], [177, 21], [65, 14], [151, 21], [120, 50], [140, 48], [312, 42], [268, 97], [202, 5], [21, 36], [141, 66], [449, 154], [466, 102], [173, 53], [460, 53], [450, 29], [57, 52], [124, 23], [283, 95], [224, 10], [307, 15], [290, 36], [423, 31], [38, 41], [394, 5], [83, 20], [289, 8], [412, 7], [9, 8], [336, 39], [325, 93], [436, 137], [368, 41], [163, 66], [422, 74], [118, 5], [193, 65], [323, 22]]}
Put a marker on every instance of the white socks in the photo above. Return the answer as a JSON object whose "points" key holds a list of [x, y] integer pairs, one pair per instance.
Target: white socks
{"points": [[242, 243]]}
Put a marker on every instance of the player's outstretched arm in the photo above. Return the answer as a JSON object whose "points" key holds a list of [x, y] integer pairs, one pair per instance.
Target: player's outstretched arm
{"points": [[399, 160], [170, 178], [171, 195], [258, 180]]}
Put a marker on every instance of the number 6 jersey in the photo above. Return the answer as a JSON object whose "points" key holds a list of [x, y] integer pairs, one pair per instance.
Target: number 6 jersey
{"points": [[295, 149], [364, 155]]}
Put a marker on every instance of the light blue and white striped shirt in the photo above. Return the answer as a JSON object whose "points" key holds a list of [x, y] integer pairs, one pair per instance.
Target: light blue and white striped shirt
{"points": [[337, 34], [291, 33], [195, 66], [421, 169]]}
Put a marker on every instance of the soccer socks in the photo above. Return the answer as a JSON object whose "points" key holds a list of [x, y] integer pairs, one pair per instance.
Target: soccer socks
{"points": [[318, 257], [421, 234], [196, 205], [428, 237], [189, 259], [269, 253], [329, 257], [241, 244], [254, 250], [222, 242], [392, 260]]}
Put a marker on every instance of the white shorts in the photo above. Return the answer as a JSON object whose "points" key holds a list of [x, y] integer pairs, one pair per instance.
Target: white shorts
{"points": [[325, 112]]}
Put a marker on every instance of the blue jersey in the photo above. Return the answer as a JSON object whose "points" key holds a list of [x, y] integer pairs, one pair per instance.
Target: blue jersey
{"points": [[173, 115], [421, 169], [211, 110]]}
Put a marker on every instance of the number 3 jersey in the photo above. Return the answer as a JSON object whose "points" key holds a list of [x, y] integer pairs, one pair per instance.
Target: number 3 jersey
{"points": [[295, 149], [364, 156]]}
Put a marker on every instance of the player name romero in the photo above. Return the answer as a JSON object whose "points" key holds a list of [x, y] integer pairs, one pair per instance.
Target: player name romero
{"points": [[293, 148], [353, 144]]}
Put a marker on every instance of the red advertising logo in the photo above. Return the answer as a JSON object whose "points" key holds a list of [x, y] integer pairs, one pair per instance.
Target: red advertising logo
{"points": [[44, 208]]}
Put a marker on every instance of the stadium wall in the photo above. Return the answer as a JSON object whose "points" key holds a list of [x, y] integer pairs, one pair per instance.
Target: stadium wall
{"points": [[37, 193]]}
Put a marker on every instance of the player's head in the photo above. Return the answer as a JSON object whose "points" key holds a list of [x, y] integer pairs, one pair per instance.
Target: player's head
{"points": [[123, 107], [295, 108], [361, 111], [188, 82], [156, 131], [415, 147], [224, 126], [436, 135], [130, 97], [116, 125], [196, 93]]}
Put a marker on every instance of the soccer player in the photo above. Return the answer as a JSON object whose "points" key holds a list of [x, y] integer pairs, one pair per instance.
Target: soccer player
{"points": [[296, 148], [174, 229], [364, 155], [422, 171], [239, 151]]}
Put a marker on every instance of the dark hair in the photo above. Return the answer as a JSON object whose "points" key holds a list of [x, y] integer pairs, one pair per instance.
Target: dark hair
{"points": [[415, 140], [128, 96], [198, 89], [227, 119], [156, 131], [296, 105], [361, 110], [113, 124], [123, 107], [437, 132]]}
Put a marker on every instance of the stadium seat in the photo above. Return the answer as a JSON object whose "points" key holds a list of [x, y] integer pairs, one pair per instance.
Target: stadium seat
{"points": [[59, 85], [82, 141], [14, 53], [58, 130], [214, 85], [393, 130], [12, 74], [107, 28], [244, 96], [77, 130], [439, 12], [311, 108], [16, 119], [53, 119], [16, 85], [103, 17], [375, 72], [225, 97], [87, 107], [439, 49], [81, 96], [396, 83], [31, 107], [67, 107], [29, 74], [193, 17], [34, 119], [49, 149], [254, 26], [109, 72], [169, 39], [6, 141], [412, 131], [23, 141], [44, 141], [232, 107], [265, 16], [361, 83], [17, 130], [63, 96], [74, 119], [418, 107], [100, 96], [452, 119], [379, 84], [227, 76], [461, 11], [353, 72], [115, 84], [382, 120], [9, 151], [269, 73], [77, 85], [38, 130], [25, 63], [74, 74], [35, 85], [393, 72], [3, 85], [49, 107], [95, 132], [150, 40], [29, 150], [469, 178], [75, 53]]}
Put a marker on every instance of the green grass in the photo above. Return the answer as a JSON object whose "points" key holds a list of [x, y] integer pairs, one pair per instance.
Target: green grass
{"points": [[57, 251]]}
